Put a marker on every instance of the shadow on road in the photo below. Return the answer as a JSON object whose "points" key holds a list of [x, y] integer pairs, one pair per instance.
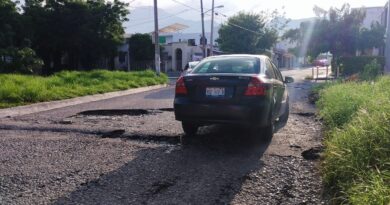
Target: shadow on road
{"points": [[209, 170], [163, 94]]}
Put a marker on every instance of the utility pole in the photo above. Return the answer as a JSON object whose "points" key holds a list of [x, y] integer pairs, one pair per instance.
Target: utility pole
{"points": [[203, 36], [387, 43], [156, 40], [212, 29]]}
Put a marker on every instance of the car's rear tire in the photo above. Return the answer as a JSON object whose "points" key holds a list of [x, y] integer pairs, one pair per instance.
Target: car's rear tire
{"points": [[284, 117], [268, 132], [263, 133], [189, 129]]}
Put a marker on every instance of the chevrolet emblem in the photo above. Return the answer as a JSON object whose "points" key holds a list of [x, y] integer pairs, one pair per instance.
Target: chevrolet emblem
{"points": [[214, 78]]}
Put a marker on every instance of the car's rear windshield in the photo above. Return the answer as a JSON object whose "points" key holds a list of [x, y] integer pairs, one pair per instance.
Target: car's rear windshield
{"points": [[245, 65]]}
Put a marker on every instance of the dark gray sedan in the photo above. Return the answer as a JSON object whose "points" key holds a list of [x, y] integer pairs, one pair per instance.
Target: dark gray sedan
{"points": [[245, 90]]}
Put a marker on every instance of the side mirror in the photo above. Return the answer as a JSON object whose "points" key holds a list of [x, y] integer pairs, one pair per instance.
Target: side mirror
{"points": [[288, 79]]}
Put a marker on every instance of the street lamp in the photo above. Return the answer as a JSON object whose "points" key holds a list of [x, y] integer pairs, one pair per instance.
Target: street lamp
{"points": [[216, 7]]}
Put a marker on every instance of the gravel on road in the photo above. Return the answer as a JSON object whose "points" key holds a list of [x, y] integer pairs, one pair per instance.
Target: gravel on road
{"points": [[136, 156]]}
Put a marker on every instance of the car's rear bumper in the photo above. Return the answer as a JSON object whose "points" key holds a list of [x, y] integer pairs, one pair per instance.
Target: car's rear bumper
{"points": [[206, 113]]}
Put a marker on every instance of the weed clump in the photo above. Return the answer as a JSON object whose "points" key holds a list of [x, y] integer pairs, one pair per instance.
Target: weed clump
{"points": [[356, 165]]}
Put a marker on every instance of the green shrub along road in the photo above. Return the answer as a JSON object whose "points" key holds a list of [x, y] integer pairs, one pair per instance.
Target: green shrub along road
{"points": [[356, 166], [25, 89]]}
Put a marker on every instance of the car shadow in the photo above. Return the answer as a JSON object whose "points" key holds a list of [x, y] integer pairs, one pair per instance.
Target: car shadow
{"points": [[209, 170]]}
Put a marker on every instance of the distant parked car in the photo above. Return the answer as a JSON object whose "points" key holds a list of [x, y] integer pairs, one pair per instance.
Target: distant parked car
{"points": [[232, 89]]}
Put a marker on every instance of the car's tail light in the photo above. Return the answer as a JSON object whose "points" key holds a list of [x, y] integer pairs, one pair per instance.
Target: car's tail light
{"points": [[256, 88], [180, 86]]}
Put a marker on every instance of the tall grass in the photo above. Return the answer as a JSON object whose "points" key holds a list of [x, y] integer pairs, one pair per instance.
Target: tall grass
{"points": [[356, 166], [23, 89]]}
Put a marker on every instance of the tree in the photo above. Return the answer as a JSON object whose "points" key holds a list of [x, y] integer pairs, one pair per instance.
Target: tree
{"points": [[370, 38], [75, 34], [141, 49], [336, 31], [15, 52], [248, 33], [9, 24]]}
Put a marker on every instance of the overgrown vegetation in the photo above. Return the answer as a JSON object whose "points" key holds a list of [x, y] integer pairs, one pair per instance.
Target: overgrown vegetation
{"points": [[356, 64], [356, 166], [22, 89], [371, 71]]}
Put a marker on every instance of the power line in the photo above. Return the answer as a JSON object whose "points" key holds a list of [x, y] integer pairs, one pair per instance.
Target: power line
{"points": [[231, 24], [183, 4], [165, 17]]}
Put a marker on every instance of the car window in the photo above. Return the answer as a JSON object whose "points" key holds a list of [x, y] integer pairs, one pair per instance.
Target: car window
{"points": [[193, 64], [278, 74], [269, 73], [249, 65]]}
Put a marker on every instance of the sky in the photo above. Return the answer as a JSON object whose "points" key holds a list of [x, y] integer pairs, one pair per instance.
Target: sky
{"points": [[294, 9]]}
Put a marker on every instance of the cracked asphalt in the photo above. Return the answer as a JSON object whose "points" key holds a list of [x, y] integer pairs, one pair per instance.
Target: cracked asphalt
{"points": [[128, 150]]}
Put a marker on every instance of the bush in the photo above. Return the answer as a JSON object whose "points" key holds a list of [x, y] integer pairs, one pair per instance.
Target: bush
{"points": [[339, 103], [356, 162], [356, 64], [25, 61], [314, 94], [371, 71]]}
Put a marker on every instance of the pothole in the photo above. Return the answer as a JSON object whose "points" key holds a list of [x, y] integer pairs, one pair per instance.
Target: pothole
{"points": [[161, 186], [114, 134], [312, 153], [129, 112], [305, 114], [133, 112]]}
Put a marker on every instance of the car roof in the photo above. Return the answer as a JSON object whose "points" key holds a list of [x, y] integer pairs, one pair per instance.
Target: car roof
{"points": [[239, 55]]}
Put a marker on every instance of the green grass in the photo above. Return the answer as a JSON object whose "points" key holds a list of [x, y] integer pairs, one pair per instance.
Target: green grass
{"points": [[24, 89], [356, 166]]}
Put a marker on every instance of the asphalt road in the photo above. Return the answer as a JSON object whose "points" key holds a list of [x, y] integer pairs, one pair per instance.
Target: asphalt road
{"points": [[132, 154]]}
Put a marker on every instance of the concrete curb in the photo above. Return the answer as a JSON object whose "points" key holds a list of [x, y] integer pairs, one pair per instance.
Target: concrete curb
{"points": [[44, 106]]}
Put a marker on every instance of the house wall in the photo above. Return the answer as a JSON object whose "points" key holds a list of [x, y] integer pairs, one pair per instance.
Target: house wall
{"points": [[184, 37], [188, 53], [282, 58]]}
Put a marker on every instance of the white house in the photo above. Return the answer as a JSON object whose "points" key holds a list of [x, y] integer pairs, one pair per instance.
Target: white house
{"points": [[281, 55], [181, 48]]}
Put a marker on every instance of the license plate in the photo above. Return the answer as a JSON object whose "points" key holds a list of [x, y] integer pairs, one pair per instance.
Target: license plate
{"points": [[215, 92]]}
